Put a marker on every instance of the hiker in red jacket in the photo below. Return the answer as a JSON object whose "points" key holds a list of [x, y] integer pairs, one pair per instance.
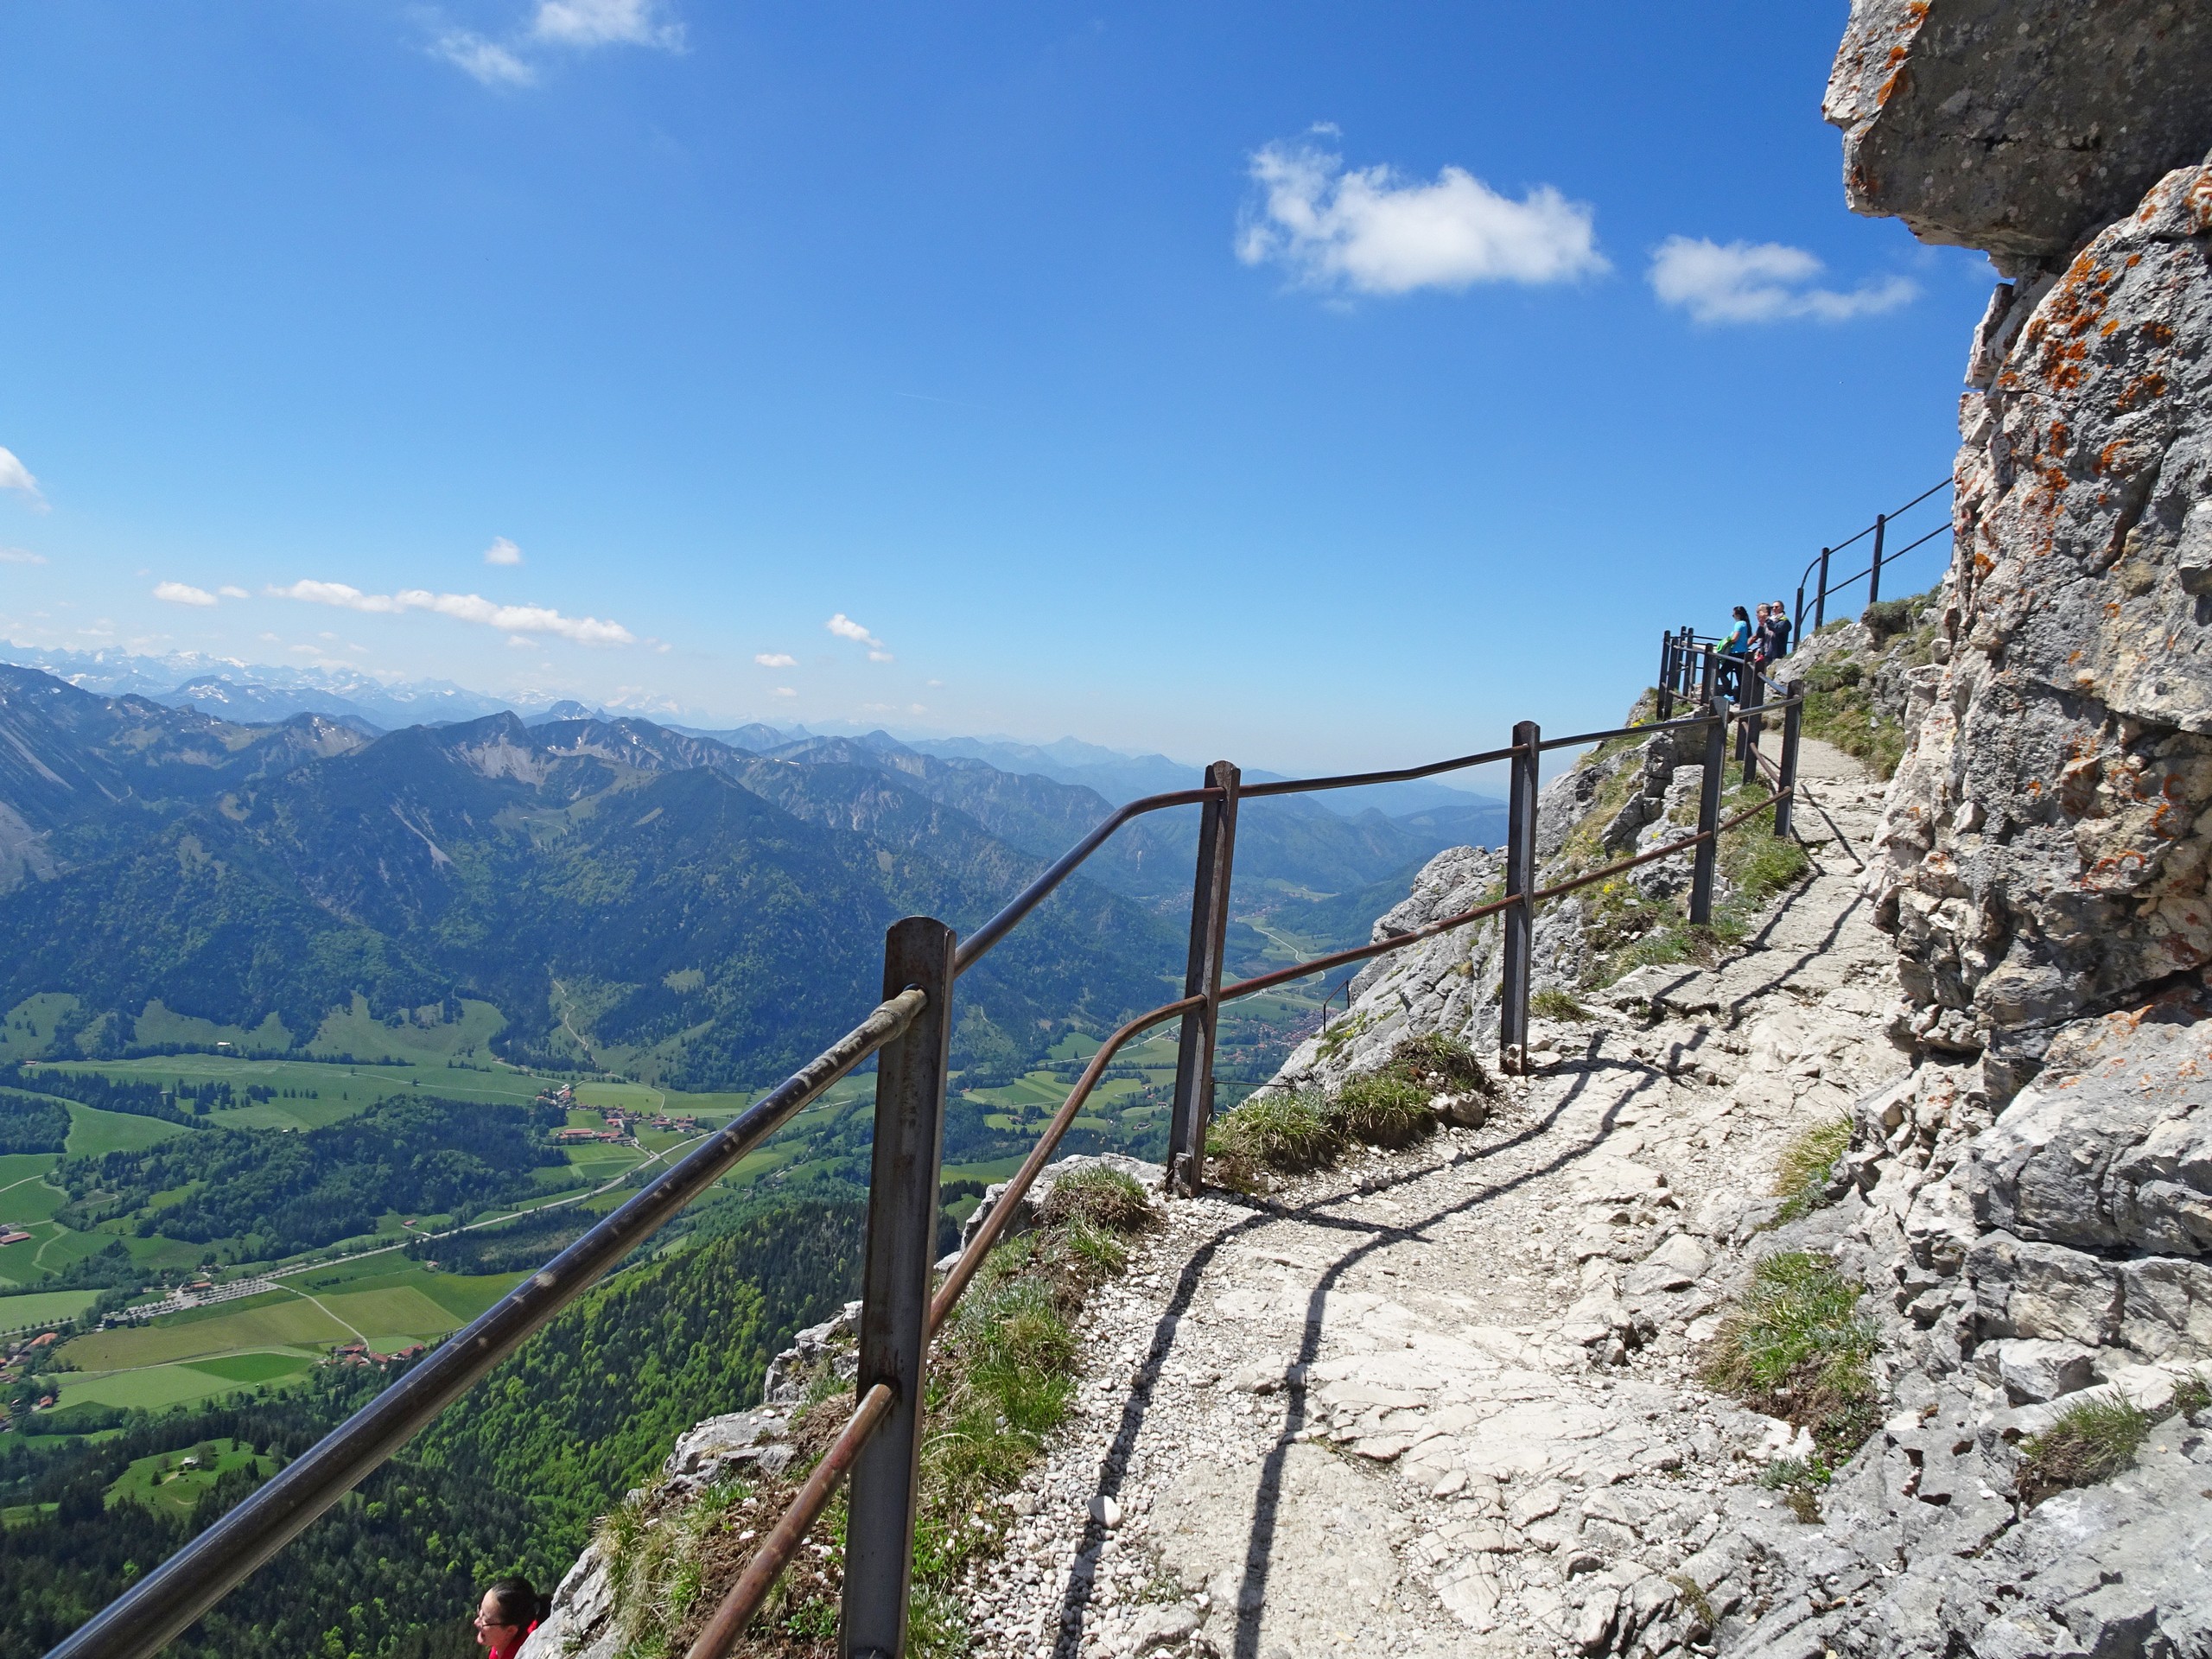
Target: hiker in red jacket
{"points": [[510, 1610]]}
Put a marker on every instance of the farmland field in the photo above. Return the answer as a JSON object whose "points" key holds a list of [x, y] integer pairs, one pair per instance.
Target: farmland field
{"points": [[43, 1307], [252, 1368], [92, 1132], [277, 1320]]}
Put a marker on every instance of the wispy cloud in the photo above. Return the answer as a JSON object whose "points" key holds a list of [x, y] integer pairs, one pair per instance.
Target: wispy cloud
{"points": [[20, 555], [845, 628], [463, 607], [606, 23], [486, 61], [777, 660], [1761, 282], [554, 26], [502, 551], [1367, 229], [14, 475], [786, 691], [231, 590], [182, 593]]}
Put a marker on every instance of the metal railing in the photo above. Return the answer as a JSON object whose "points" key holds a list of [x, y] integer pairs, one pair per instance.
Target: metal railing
{"points": [[908, 1033], [1817, 571]]}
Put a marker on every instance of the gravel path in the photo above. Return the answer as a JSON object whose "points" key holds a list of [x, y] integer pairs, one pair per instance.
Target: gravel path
{"points": [[1443, 1402]]}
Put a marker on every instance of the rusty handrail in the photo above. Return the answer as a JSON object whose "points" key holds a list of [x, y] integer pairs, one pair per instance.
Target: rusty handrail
{"points": [[972, 948], [1400, 775], [775, 1553]]}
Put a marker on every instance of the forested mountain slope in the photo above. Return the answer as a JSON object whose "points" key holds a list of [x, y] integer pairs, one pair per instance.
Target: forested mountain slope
{"points": [[622, 893]]}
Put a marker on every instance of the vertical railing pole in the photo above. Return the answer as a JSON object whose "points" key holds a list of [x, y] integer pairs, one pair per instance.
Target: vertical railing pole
{"points": [[1708, 809], [902, 1212], [1786, 774], [1193, 1106], [1709, 680], [1520, 920], [1754, 696], [1820, 595], [1665, 704], [1874, 575], [1797, 615]]}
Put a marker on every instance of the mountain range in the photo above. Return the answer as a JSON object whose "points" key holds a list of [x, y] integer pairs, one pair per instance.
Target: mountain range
{"points": [[627, 896]]}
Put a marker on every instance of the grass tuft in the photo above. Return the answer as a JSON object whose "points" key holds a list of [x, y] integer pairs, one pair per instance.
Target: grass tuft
{"points": [[2089, 1442], [1808, 1164], [1282, 1131], [2192, 1395], [1099, 1197], [1440, 1064], [1382, 1110], [1553, 1003], [1797, 1347]]}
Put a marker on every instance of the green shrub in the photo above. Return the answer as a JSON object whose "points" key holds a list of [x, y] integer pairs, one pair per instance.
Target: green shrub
{"points": [[1382, 1110], [2192, 1395], [1807, 1164], [1796, 1347], [2090, 1442]]}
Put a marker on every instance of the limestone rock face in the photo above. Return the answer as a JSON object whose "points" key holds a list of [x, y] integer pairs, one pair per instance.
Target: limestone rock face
{"points": [[2044, 848], [2018, 127]]}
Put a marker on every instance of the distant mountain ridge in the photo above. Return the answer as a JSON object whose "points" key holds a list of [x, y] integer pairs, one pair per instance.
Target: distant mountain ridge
{"points": [[680, 905], [626, 895]]}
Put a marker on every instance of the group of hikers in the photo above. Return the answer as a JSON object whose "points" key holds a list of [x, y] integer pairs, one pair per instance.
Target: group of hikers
{"points": [[1762, 643]]}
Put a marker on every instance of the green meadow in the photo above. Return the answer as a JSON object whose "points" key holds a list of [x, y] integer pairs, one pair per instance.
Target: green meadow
{"points": [[171, 1483]]}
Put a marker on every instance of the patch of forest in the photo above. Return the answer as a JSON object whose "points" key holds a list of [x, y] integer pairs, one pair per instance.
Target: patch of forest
{"points": [[282, 1192]]}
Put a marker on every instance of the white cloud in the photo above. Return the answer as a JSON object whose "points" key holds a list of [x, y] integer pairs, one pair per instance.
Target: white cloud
{"points": [[182, 593], [786, 691], [488, 60], [464, 607], [605, 22], [777, 660], [14, 475], [231, 590], [502, 551], [845, 628], [20, 555], [1760, 281], [1364, 229]]}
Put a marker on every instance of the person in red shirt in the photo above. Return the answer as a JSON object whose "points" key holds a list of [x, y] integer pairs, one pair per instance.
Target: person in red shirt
{"points": [[510, 1610]]}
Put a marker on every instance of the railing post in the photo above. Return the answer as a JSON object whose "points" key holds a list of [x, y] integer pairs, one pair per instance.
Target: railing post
{"points": [[1709, 681], [1786, 774], [1193, 1107], [902, 1208], [1797, 615], [1520, 920], [1874, 576], [1665, 705], [1748, 737], [1820, 595], [1709, 810]]}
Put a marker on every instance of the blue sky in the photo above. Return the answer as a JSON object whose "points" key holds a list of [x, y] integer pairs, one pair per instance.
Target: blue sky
{"points": [[1305, 384]]}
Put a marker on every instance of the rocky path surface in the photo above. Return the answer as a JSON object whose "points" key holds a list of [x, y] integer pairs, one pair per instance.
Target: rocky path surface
{"points": [[1443, 1402]]}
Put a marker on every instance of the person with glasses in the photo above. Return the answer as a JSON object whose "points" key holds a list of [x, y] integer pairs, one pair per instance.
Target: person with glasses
{"points": [[510, 1610]]}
